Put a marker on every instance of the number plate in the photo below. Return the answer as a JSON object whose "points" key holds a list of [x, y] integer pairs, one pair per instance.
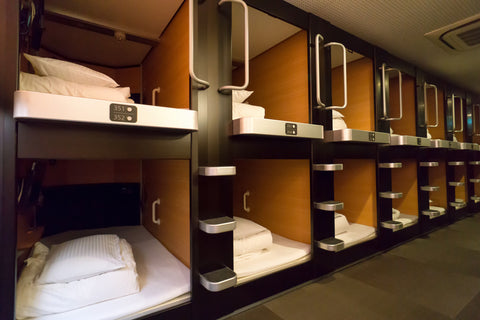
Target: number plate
{"points": [[291, 129], [123, 113]]}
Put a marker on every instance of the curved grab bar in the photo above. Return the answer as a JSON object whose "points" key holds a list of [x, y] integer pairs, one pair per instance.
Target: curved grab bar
{"points": [[475, 133], [204, 84], [425, 87], [461, 114], [320, 104], [384, 95], [228, 88], [245, 195], [154, 92], [154, 212]]}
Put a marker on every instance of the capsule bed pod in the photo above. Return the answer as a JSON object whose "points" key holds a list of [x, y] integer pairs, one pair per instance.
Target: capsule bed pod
{"points": [[99, 142], [145, 202], [263, 97], [270, 92], [274, 193], [272, 213]]}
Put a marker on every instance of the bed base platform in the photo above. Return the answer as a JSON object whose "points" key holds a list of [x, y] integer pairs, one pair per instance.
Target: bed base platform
{"points": [[61, 140]]}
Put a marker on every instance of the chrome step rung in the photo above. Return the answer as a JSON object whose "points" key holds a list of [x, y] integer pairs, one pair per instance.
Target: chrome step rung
{"points": [[218, 280], [328, 205], [331, 244]]}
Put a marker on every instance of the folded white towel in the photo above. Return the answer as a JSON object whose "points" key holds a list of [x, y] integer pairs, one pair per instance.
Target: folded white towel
{"points": [[245, 228], [244, 110], [338, 124], [341, 224], [250, 237], [395, 214]]}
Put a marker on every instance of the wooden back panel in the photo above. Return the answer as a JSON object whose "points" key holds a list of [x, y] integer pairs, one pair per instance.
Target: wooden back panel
{"points": [[168, 180], [405, 180], [130, 77], [437, 177], [279, 195], [439, 131], [68, 172], [356, 187], [460, 176], [166, 66], [360, 111], [279, 79], [405, 126]]}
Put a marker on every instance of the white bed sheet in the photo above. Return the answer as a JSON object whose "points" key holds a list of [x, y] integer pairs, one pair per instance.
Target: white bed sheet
{"points": [[164, 280], [356, 234], [283, 253]]}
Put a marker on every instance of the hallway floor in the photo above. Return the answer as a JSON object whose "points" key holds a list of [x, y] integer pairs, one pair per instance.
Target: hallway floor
{"points": [[432, 277]]}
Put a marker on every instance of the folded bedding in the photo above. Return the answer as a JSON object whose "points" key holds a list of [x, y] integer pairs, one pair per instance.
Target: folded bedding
{"points": [[406, 219], [338, 122], [439, 209], [395, 213], [351, 233], [250, 237], [244, 110], [341, 224], [257, 251]]}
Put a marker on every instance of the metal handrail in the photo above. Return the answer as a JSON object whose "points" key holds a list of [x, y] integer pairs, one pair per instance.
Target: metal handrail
{"points": [[384, 94], [320, 104], [475, 133], [425, 87], [204, 84], [461, 114], [228, 88]]}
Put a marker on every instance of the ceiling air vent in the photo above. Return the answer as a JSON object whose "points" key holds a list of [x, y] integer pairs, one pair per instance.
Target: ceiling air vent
{"points": [[459, 36]]}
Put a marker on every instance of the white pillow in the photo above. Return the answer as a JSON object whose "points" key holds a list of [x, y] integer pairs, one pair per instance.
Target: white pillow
{"points": [[336, 114], [82, 258], [49, 84], [69, 71], [240, 95], [37, 300]]}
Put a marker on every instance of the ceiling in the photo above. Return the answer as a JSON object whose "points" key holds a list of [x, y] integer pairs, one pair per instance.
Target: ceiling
{"points": [[145, 22], [399, 27]]}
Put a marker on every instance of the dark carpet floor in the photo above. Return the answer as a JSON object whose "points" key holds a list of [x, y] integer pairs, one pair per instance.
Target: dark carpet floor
{"points": [[432, 277]]}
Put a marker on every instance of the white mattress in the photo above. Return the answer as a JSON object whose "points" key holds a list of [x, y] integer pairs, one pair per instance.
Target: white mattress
{"points": [[356, 234], [164, 280], [284, 253]]}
